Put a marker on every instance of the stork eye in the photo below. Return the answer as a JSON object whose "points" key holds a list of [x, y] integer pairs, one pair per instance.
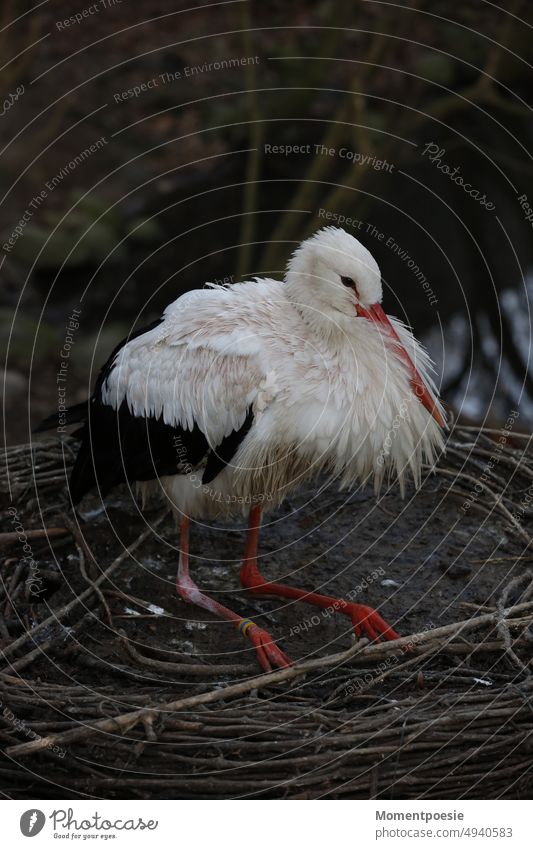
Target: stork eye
{"points": [[347, 281]]}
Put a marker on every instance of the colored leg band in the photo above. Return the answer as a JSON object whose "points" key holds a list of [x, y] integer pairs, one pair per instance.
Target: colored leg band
{"points": [[245, 625]]}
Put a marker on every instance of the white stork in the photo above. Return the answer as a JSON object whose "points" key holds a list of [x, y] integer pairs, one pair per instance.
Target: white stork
{"points": [[240, 393]]}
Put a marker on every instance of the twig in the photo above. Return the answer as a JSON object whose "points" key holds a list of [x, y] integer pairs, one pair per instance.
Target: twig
{"points": [[377, 679], [12, 536], [81, 547], [43, 648], [498, 432], [13, 586], [183, 668], [496, 498], [503, 626]]}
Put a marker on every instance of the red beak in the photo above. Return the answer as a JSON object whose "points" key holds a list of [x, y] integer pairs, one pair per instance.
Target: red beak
{"points": [[376, 314]]}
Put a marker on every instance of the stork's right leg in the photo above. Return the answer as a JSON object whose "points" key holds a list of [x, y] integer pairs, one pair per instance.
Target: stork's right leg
{"points": [[364, 619], [268, 654]]}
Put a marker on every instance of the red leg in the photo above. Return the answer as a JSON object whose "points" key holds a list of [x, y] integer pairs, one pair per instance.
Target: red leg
{"points": [[268, 653], [365, 620]]}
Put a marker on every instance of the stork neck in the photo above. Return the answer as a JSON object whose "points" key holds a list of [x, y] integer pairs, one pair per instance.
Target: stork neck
{"points": [[329, 325]]}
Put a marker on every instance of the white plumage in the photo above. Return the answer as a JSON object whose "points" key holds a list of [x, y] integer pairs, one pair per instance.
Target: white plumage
{"points": [[328, 388]]}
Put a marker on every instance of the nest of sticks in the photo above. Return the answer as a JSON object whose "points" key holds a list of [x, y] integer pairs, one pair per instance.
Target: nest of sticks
{"points": [[444, 713]]}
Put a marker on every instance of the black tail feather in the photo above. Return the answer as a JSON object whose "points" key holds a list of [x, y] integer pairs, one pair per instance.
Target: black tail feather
{"points": [[82, 477], [74, 415]]}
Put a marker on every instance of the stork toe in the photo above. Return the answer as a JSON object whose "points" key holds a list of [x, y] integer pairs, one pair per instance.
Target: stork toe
{"points": [[268, 653], [368, 622]]}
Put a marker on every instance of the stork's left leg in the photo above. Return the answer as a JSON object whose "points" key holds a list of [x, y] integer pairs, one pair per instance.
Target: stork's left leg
{"points": [[365, 620], [268, 653]]}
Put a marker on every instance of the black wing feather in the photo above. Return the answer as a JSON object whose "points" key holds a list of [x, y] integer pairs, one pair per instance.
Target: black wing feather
{"points": [[118, 446], [220, 456]]}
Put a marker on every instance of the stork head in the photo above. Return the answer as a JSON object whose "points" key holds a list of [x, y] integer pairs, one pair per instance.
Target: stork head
{"points": [[334, 274], [335, 282]]}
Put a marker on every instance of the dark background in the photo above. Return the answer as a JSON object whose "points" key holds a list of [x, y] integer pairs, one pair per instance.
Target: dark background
{"points": [[181, 190]]}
